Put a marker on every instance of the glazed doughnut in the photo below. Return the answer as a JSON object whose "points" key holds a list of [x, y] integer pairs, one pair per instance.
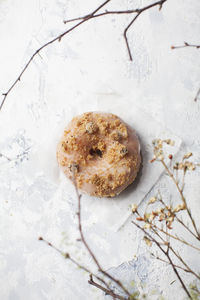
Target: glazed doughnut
{"points": [[101, 151]]}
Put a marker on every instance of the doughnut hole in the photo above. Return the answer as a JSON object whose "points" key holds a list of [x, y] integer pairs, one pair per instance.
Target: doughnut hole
{"points": [[103, 152]]}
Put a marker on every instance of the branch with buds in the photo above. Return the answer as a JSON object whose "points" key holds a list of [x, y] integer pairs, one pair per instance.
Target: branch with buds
{"points": [[157, 224]]}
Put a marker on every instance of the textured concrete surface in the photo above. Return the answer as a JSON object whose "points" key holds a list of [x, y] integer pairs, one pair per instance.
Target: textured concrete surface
{"points": [[89, 70]]}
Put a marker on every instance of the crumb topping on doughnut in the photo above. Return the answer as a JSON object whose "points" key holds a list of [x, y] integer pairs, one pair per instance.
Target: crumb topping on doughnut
{"points": [[91, 127], [100, 149]]}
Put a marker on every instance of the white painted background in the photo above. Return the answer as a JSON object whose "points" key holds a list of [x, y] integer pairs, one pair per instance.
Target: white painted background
{"points": [[88, 70]]}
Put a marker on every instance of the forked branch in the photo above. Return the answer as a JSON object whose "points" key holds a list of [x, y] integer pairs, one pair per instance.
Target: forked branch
{"points": [[82, 20], [166, 253], [137, 13], [100, 269], [105, 289], [185, 45]]}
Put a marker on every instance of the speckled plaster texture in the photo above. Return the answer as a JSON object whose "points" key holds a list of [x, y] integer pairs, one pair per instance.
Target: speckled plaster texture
{"points": [[89, 70]]}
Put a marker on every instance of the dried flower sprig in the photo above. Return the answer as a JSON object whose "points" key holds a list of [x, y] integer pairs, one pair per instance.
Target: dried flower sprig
{"points": [[184, 165], [157, 224], [82, 20], [156, 234], [165, 215], [161, 246], [164, 235]]}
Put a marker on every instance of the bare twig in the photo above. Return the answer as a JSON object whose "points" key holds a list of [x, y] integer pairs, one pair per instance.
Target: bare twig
{"points": [[189, 270], [197, 95], [185, 45], [126, 38], [167, 262], [100, 269], [156, 228], [153, 227], [166, 214], [107, 290], [58, 38], [118, 12], [166, 242], [184, 263], [179, 220], [92, 282], [137, 11], [186, 227], [81, 21], [166, 253], [175, 237], [4, 156], [182, 197]]}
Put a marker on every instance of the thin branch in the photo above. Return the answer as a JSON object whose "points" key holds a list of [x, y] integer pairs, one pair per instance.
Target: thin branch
{"points": [[58, 38], [67, 256], [87, 246], [197, 95], [174, 252], [180, 221], [126, 38], [183, 180], [165, 261], [185, 46], [137, 11], [83, 20], [107, 290], [174, 237], [182, 197], [105, 13], [166, 253], [186, 227], [184, 263], [4, 156], [92, 282], [189, 270], [177, 274], [118, 12]]}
